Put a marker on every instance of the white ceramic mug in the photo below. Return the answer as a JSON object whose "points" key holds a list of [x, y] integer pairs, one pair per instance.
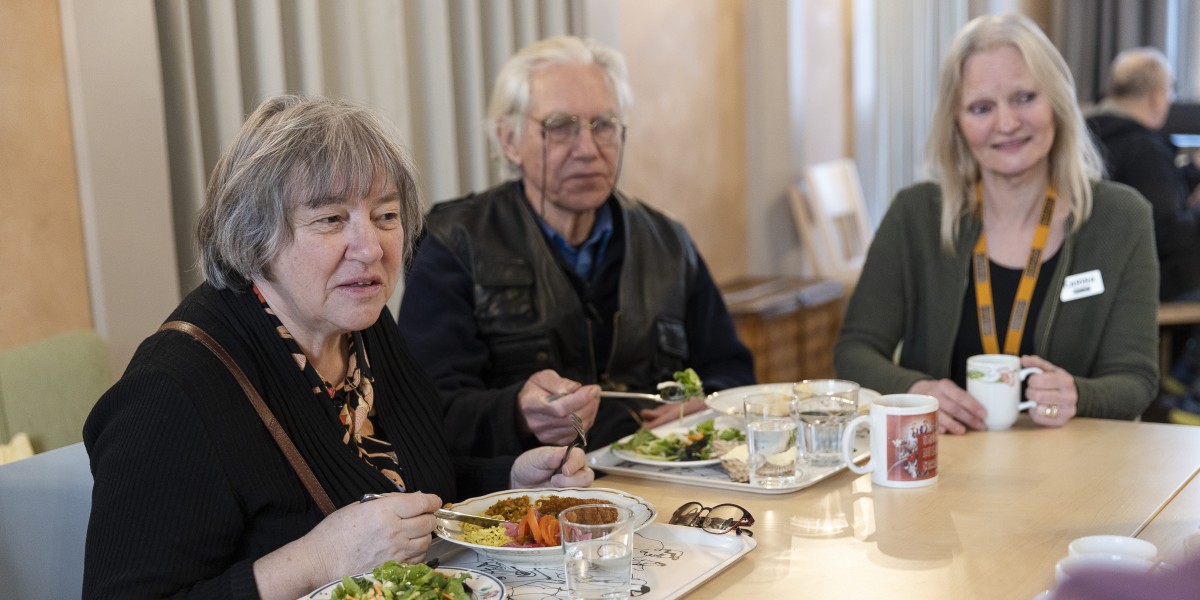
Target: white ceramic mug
{"points": [[995, 381], [904, 441]]}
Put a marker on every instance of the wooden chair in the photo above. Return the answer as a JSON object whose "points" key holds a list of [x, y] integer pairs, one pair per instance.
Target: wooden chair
{"points": [[830, 216]]}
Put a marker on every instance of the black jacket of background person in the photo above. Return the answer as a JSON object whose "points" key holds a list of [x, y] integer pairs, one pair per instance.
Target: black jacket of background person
{"points": [[489, 302], [1145, 160]]}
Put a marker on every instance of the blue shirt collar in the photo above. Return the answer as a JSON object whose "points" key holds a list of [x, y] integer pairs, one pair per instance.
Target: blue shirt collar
{"points": [[583, 260]]}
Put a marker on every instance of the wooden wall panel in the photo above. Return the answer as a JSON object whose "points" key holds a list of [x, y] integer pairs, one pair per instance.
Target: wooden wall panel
{"points": [[43, 273], [686, 145]]}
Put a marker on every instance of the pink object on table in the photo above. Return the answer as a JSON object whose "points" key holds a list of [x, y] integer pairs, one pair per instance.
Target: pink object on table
{"points": [[1178, 582]]}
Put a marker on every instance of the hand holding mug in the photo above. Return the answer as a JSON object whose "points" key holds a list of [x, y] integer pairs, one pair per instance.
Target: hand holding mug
{"points": [[1053, 391], [957, 410], [995, 381]]}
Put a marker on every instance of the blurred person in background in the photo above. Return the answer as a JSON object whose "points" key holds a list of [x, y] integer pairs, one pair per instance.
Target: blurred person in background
{"points": [[1016, 248], [1127, 126], [1136, 153], [556, 282]]}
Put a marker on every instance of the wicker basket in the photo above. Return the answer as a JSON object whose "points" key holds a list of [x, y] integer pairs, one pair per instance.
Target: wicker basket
{"points": [[789, 324]]}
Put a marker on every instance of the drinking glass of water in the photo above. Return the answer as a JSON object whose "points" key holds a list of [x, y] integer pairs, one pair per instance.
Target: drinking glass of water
{"points": [[597, 541], [771, 439], [824, 406]]}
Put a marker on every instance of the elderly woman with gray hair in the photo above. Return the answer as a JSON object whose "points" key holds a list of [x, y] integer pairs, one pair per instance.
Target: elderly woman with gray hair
{"points": [[230, 458]]}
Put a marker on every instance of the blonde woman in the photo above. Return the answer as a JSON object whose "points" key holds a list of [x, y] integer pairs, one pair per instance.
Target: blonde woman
{"points": [[1016, 204]]}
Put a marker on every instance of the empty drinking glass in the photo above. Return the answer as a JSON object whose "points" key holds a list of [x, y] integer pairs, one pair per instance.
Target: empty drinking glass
{"points": [[597, 541]]}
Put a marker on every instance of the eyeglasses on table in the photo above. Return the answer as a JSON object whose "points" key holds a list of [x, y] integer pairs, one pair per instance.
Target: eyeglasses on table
{"points": [[718, 519]]}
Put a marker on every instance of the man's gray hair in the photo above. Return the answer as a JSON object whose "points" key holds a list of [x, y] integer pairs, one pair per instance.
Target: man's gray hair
{"points": [[511, 97], [1137, 72], [292, 150]]}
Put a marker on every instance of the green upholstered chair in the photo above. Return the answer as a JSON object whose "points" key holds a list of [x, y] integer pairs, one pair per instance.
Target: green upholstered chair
{"points": [[48, 387]]}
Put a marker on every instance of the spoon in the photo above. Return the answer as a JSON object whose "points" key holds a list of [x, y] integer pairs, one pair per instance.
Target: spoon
{"points": [[669, 392]]}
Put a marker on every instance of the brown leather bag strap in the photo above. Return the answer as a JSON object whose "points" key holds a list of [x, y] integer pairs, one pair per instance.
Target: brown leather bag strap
{"points": [[281, 437]]}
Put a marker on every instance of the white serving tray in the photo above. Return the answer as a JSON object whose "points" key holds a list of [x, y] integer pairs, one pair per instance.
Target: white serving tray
{"points": [[713, 476], [668, 562]]}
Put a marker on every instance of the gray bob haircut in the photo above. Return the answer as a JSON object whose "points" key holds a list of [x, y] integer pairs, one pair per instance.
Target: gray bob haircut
{"points": [[511, 97], [291, 150], [1073, 159]]}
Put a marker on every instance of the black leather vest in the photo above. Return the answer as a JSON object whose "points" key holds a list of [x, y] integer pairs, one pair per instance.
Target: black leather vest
{"points": [[530, 316]]}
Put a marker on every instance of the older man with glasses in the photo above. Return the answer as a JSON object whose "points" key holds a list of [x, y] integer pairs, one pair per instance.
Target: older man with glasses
{"points": [[525, 300]]}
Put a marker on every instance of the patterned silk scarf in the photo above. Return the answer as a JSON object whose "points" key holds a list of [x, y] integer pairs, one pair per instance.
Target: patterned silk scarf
{"points": [[353, 397]]}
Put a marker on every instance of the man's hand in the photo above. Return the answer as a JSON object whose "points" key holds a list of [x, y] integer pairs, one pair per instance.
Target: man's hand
{"points": [[549, 420]]}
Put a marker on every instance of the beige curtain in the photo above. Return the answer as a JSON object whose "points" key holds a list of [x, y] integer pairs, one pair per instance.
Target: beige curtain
{"points": [[897, 51], [427, 65], [1090, 34]]}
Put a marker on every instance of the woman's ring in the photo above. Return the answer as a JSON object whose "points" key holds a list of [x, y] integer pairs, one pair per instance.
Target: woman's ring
{"points": [[1050, 411]]}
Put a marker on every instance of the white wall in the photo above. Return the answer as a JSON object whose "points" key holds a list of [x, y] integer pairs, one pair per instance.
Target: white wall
{"points": [[115, 87], [774, 141]]}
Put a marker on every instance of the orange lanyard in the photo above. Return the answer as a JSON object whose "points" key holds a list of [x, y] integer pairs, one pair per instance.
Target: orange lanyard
{"points": [[983, 281]]}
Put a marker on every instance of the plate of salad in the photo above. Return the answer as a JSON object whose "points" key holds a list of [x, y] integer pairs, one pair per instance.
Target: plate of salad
{"points": [[398, 580], [677, 446]]}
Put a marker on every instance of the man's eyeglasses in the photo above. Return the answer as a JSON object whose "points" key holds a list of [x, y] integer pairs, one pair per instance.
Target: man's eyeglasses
{"points": [[721, 518], [562, 129]]}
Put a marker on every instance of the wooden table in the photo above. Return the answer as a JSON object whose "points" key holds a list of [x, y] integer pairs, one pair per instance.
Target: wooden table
{"points": [[1178, 522], [1002, 513]]}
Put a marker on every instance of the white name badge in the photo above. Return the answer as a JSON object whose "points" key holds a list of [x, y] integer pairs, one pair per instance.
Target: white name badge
{"points": [[1082, 285]]}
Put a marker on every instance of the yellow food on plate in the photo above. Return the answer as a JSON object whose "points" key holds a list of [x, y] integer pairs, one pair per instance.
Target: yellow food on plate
{"points": [[485, 536]]}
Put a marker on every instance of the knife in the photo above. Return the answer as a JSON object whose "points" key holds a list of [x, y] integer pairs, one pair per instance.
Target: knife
{"points": [[451, 515]]}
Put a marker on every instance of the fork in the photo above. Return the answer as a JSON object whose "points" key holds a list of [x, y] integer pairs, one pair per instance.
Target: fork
{"points": [[580, 439], [666, 395]]}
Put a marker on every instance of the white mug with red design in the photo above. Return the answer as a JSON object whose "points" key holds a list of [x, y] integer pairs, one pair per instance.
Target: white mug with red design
{"points": [[904, 441]]}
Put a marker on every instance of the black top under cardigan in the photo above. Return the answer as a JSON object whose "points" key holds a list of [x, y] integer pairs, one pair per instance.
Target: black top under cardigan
{"points": [[190, 488]]}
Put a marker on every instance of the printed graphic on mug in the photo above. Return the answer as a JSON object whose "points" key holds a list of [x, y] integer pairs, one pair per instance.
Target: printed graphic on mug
{"points": [[985, 373], [912, 447]]}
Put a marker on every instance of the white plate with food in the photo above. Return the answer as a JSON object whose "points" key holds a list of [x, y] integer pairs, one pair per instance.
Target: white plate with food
{"points": [[508, 505], [676, 445], [729, 401], [481, 585]]}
